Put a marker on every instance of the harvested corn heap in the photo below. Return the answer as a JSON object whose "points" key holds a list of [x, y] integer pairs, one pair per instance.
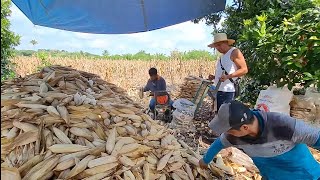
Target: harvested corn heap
{"points": [[66, 124], [190, 87]]}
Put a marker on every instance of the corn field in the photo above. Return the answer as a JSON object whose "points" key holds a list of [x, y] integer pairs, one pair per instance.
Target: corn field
{"points": [[127, 74]]}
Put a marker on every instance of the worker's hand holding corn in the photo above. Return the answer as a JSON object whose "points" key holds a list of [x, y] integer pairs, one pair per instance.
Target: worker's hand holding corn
{"points": [[202, 164], [224, 78], [141, 92], [211, 77]]}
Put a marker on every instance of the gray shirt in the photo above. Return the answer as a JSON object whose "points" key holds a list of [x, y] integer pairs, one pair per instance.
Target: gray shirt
{"points": [[279, 135], [156, 85]]}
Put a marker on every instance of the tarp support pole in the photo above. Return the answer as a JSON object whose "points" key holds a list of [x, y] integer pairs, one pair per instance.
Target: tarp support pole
{"points": [[144, 15]]}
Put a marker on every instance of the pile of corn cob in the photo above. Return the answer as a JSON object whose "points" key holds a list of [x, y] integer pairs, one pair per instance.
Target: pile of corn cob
{"points": [[62, 123], [190, 87]]}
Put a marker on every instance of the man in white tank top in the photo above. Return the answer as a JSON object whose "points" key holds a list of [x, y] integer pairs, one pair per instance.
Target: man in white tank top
{"points": [[233, 62]]}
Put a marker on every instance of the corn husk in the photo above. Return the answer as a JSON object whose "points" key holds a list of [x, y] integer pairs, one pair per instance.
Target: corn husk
{"points": [[61, 123]]}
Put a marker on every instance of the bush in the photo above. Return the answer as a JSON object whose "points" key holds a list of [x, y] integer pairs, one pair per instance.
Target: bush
{"points": [[44, 60], [283, 46], [279, 39], [8, 41]]}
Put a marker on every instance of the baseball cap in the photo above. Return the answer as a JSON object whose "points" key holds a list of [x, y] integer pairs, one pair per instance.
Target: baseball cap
{"points": [[232, 114]]}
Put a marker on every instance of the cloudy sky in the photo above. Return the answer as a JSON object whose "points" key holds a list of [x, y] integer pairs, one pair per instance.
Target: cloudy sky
{"points": [[183, 37]]}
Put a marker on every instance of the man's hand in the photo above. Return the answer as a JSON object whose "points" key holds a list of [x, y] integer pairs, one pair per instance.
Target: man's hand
{"points": [[141, 92], [202, 164], [211, 77], [224, 77]]}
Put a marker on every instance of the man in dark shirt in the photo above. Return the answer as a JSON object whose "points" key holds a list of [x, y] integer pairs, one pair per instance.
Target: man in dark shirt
{"points": [[277, 143], [154, 84]]}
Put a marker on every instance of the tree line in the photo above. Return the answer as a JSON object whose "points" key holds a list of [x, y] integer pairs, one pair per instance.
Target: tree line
{"points": [[141, 55]]}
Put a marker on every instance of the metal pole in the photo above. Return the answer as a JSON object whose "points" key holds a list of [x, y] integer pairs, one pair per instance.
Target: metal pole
{"points": [[144, 15]]}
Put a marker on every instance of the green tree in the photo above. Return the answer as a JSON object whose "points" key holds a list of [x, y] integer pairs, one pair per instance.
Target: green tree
{"points": [[34, 43], [142, 55], [44, 60], [279, 39], [105, 53], [234, 15], [198, 54], [287, 53], [8, 41]]}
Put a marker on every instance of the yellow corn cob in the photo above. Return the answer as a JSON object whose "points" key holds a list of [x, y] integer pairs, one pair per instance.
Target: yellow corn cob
{"points": [[146, 171], [175, 176], [97, 170], [175, 166], [43, 88], [163, 177], [100, 132], [31, 106], [63, 137], [137, 174], [53, 111], [93, 151], [45, 168], [81, 166], [189, 171], [11, 173], [82, 132], [163, 161], [128, 148], [25, 126], [131, 116], [122, 141], [99, 176], [64, 113], [65, 164], [63, 174], [67, 148], [182, 174], [126, 161], [30, 163], [101, 161], [128, 175], [111, 141]]}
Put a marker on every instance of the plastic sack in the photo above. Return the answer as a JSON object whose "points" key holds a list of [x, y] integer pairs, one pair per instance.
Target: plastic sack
{"points": [[274, 99], [185, 105], [303, 108], [313, 94], [183, 116], [184, 112]]}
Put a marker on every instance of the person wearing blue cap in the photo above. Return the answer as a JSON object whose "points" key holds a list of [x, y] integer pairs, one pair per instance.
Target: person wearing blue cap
{"points": [[277, 143]]}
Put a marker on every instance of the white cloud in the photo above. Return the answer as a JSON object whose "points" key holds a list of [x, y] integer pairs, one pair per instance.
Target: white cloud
{"points": [[45, 31], [86, 36], [121, 47], [74, 45], [16, 13], [189, 31], [186, 32], [143, 37], [99, 43]]}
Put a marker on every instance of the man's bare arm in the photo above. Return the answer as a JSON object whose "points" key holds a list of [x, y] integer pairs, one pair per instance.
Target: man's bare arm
{"points": [[238, 59]]}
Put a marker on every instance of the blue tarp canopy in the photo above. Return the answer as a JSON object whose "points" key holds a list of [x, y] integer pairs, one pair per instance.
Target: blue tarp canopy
{"points": [[115, 16]]}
